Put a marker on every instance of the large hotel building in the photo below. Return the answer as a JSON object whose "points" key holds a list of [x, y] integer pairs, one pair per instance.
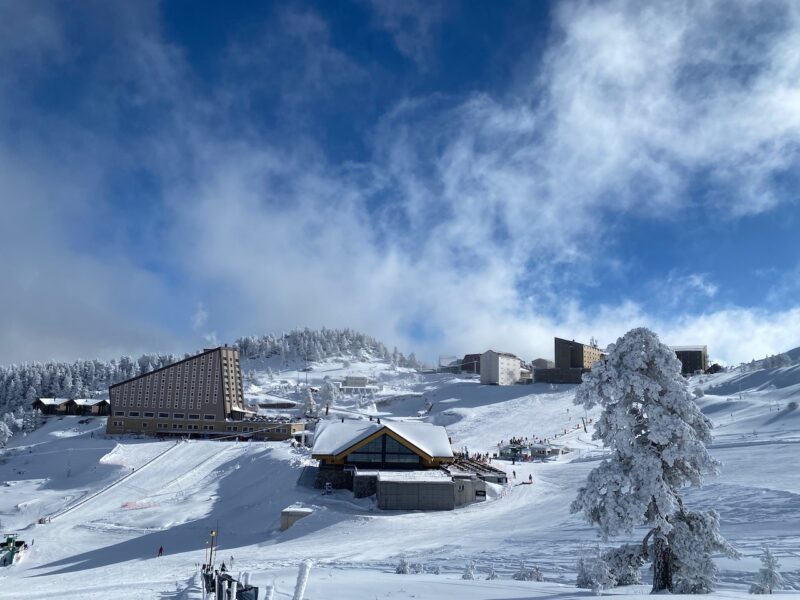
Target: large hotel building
{"points": [[201, 394]]}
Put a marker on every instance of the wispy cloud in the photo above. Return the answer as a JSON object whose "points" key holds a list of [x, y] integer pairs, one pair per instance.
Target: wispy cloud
{"points": [[412, 24], [472, 214]]}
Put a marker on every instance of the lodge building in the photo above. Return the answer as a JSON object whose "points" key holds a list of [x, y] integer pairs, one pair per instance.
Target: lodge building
{"points": [[202, 394]]}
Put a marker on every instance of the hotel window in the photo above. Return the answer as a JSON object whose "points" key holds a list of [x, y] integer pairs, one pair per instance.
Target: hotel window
{"points": [[133, 413], [178, 416], [194, 417], [119, 413], [209, 417], [149, 415], [163, 415]]}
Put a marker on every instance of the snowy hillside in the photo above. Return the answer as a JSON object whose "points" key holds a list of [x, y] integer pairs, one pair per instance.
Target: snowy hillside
{"points": [[114, 502]]}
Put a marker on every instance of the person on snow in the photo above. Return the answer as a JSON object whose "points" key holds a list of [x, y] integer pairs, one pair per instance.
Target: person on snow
{"points": [[530, 478], [160, 551]]}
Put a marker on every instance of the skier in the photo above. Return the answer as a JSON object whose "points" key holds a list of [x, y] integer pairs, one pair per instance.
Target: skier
{"points": [[530, 478], [514, 474], [161, 551]]}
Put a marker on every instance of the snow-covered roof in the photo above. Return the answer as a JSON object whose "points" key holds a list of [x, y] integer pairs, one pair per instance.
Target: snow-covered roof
{"points": [[431, 476], [501, 353], [52, 401], [89, 401], [334, 437], [689, 348]]}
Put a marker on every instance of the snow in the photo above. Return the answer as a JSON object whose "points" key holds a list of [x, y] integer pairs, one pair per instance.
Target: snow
{"points": [[106, 547], [418, 476], [335, 437]]}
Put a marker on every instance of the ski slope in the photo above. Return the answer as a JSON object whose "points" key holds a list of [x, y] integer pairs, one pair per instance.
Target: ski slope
{"points": [[126, 497]]}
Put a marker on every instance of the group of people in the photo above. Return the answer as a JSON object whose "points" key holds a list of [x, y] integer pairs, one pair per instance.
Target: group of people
{"points": [[523, 441]]}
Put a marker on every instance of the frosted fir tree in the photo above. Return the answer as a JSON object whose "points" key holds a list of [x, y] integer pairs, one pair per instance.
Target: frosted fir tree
{"points": [[694, 538], [469, 571], [526, 574], [768, 578], [403, 567], [601, 576], [624, 563], [584, 578], [311, 405], [658, 438], [5, 434], [492, 573]]}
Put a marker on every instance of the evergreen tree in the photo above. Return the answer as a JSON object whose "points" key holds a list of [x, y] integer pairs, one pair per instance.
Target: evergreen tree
{"points": [[769, 578], [469, 571], [658, 438]]}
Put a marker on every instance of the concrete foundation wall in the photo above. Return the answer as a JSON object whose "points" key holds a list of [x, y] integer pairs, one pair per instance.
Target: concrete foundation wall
{"points": [[416, 495]]}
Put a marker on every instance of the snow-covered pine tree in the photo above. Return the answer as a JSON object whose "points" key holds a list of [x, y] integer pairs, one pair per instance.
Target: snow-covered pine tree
{"points": [[311, 405], [469, 571], [402, 567], [492, 573], [584, 578], [769, 578], [624, 563], [5, 434], [526, 574], [601, 576], [657, 437]]}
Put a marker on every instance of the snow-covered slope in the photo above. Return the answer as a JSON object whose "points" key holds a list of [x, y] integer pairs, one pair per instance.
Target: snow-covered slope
{"points": [[116, 501]]}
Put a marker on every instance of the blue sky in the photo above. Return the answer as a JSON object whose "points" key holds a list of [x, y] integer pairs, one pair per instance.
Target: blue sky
{"points": [[446, 176]]}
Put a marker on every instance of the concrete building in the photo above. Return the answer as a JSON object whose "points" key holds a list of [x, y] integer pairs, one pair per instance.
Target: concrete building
{"points": [[358, 385], [693, 358], [499, 368], [543, 363], [199, 395], [574, 355], [572, 360], [471, 363]]}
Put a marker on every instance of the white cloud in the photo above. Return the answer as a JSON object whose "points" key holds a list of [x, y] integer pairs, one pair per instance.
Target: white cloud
{"points": [[412, 25], [200, 317], [491, 207]]}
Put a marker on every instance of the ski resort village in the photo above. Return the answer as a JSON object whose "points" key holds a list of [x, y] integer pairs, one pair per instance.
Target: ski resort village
{"points": [[319, 463], [399, 299]]}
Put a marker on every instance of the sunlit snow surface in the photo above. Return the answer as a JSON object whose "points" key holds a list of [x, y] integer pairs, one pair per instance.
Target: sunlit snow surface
{"points": [[126, 497]]}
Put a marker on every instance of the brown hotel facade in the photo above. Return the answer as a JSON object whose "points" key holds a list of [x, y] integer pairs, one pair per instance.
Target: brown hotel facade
{"points": [[200, 395]]}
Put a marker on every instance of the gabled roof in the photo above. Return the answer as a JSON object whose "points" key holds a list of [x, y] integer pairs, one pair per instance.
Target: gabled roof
{"points": [[89, 401], [52, 401], [335, 437]]}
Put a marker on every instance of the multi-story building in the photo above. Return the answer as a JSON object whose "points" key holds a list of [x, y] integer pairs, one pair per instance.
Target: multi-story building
{"points": [[572, 359], [201, 394], [471, 363], [574, 355], [500, 368], [693, 358]]}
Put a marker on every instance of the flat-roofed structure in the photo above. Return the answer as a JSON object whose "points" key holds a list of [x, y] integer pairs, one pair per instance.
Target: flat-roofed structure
{"points": [[500, 368], [572, 360], [693, 358], [199, 395], [574, 355]]}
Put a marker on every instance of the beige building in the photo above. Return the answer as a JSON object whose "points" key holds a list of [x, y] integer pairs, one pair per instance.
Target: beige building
{"points": [[201, 394], [574, 355], [499, 368]]}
